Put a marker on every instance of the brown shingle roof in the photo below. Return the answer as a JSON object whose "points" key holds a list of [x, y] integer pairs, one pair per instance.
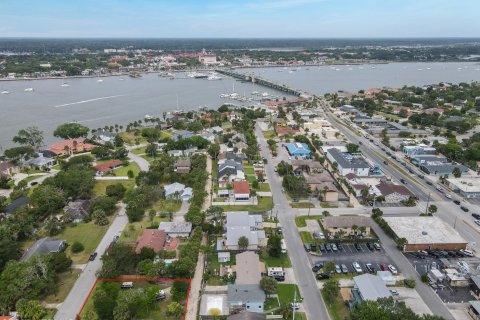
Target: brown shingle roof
{"points": [[151, 238], [241, 187], [387, 188]]}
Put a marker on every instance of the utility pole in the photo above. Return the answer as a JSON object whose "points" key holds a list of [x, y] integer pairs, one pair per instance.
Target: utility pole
{"points": [[455, 223], [428, 201]]}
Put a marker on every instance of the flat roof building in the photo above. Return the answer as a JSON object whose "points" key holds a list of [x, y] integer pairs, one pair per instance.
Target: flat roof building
{"points": [[298, 149], [368, 287], [468, 187], [426, 233], [348, 163]]}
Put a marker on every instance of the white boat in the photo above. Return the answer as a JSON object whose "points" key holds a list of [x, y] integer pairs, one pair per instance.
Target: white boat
{"points": [[255, 93], [121, 79], [265, 94], [148, 117], [213, 77], [100, 80], [291, 71], [28, 90], [64, 85], [5, 92]]}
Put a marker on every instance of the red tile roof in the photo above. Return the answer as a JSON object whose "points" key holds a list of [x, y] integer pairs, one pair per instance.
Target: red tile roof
{"points": [[241, 187], [151, 238], [59, 147], [108, 166]]}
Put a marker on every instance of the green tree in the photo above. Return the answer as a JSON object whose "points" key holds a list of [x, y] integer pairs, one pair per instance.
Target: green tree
{"points": [[329, 266], [30, 309], [104, 304], [30, 136], [152, 150], [48, 199], [71, 131], [268, 285], [401, 242], [179, 290], [174, 309], [243, 243], [432, 209], [77, 247], [274, 245], [214, 150], [17, 153], [457, 173], [100, 217], [410, 283], [352, 148], [330, 290]]}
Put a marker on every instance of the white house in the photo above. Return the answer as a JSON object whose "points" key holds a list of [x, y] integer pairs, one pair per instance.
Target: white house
{"points": [[178, 191]]}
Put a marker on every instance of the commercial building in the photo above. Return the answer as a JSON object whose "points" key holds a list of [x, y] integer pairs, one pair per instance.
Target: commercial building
{"points": [[426, 233], [394, 193], [345, 225], [368, 287], [467, 187], [418, 150], [348, 163]]}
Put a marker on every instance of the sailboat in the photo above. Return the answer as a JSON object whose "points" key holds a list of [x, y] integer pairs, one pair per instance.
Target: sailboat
{"points": [[5, 92], [64, 85]]}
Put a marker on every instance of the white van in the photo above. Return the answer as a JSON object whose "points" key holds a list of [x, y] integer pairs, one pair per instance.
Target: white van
{"points": [[283, 246], [127, 285]]}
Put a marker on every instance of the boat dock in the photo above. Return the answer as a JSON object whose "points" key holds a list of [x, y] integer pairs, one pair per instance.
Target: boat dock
{"points": [[261, 81]]}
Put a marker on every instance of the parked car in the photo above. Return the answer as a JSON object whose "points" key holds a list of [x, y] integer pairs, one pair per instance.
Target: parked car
{"points": [[322, 276], [476, 215], [457, 202], [317, 266], [384, 267], [321, 246], [313, 246], [356, 267], [370, 268], [344, 269], [477, 222], [93, 256], [328, 247], [338, 269], [376, 246], [464, 209], [370, 246], [392, 269], [334, 247], [339, 246], [394, 292], [307, 247], [357, 246], [468, 253], [295, 306]]}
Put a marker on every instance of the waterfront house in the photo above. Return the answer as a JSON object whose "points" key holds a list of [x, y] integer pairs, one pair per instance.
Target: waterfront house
{"points": [[69, 147], [104, 136], [8, 169]]}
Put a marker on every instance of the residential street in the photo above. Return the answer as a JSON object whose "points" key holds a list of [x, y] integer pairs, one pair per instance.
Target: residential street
{"points": [[79, 293], [313, 303]]}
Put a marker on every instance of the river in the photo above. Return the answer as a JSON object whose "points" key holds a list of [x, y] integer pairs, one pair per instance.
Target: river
{"points": [[112, 101]]}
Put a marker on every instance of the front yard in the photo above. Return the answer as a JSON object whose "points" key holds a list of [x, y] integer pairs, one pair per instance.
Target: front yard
{"points": [[101, 185], [167, 206], [300, 220], [123, 171], [66, 280], [264, 204], [133, 230], [338, 310]]}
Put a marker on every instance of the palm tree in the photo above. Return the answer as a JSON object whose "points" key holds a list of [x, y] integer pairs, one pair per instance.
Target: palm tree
{"points": [[355, 228], [362, 230]]}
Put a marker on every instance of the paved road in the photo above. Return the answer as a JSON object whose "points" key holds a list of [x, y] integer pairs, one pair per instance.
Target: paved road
{"points": [[79, 293], [313, 303]]}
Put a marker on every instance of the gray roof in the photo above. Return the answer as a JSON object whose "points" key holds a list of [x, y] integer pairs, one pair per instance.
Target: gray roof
{"points": [[225, 254], [443, 168], [476, 280], [369, 120], [175, 227], [174, 187], [230, 166], [371, 287], [44, 246], [475, 305], [247, 316], [15, 204], [345, 160], [245, 293], [248, 270]]}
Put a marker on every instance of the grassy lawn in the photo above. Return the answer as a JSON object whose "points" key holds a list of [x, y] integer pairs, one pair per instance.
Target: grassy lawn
{"points": [[139, 150], [271, 303], [131, 139], [391, 116], [101, 185], [251, 178], [338, 310], [299, 316], [282, 261], [300, 220], [326, 205], [167, 206], [89, 234], [135, 229], [123, 171], [286, 293], [302, 205], [50, 314], [66, 280], [306, 236], [264, 204], [248, 170], [30, 178], [148, 158], [270, 134], [263, 187]]}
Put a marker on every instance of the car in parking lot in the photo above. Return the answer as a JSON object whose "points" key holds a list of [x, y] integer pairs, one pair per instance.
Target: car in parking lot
{"points": [[317, 235], [392, 269], [334, 247], [457, 202], [384, 267], [357, 246], [317, 266], [476, 215], [321, 246], [477, 222], [370, 246], [338, 270], [356, 267], [339, 246], [394, 292], [464, 209], [322, 276], [370, 268], [468, 253], [328, 247], [344, 269], [313, 246], [376, 246], [307, 247]]}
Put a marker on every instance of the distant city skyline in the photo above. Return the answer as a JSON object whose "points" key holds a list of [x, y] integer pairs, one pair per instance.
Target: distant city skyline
{"points": [[240, 19]]}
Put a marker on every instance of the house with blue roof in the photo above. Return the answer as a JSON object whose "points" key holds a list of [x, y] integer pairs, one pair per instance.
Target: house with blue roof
{"points": [[298, 149]]}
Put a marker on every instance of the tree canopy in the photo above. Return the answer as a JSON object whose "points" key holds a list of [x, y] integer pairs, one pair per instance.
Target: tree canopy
{"points": [[71, 131]]}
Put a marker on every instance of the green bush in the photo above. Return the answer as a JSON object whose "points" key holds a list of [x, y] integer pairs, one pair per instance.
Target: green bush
{"points": [[77, 247], [410, 283]]}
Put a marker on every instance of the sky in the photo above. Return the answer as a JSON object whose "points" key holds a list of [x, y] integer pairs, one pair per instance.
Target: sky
{"points": [[240, 18]]}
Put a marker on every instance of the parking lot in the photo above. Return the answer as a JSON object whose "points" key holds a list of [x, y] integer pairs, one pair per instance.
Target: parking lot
{"points": [[350, 254]]}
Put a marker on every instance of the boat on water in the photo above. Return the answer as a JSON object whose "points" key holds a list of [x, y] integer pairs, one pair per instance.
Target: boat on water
{"points": [[100, 80], [121, 79], [64, 85], [213, 77], [28, 90], [255, 93], [5, 92], [148, 117], [265, 94], [135, 74]]}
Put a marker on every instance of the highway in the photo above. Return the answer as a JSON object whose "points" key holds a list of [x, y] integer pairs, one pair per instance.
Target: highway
{"points": [[313, 303]]}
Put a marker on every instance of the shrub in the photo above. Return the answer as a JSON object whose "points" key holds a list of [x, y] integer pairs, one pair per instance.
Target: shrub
{"points": [[410, 283], [77, 247]]}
